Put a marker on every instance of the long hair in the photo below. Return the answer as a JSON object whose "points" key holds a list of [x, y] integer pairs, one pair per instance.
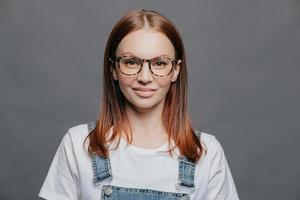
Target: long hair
{"points": [[175, 114]]}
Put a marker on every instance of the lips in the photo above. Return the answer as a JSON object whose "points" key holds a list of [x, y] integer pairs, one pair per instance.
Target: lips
{"points": [[144, 89], [144, 92]]}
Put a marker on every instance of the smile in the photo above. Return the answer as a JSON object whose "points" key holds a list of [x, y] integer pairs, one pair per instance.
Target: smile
{"points": [[144, 93]]}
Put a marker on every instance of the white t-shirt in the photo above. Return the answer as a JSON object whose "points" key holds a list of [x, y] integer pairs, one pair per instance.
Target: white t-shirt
{"points": [[70, 175]]}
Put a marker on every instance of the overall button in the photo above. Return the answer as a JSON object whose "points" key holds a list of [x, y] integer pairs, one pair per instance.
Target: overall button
{"points": [[108, 191]]}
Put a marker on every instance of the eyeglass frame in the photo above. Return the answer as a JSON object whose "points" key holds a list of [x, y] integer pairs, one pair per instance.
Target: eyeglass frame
{"points": [[117, 59]]}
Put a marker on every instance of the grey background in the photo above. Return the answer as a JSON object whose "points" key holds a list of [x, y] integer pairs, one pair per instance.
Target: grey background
{"points": [[243, 64]]}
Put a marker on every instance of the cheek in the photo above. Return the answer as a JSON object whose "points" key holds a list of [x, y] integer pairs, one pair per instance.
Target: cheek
{"points": [[124, 84], [164, 86], [163, 83]]}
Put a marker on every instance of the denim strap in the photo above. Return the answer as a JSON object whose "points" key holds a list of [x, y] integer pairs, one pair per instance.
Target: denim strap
{"points": [[101, 168], [101, 165], [186, 171]]}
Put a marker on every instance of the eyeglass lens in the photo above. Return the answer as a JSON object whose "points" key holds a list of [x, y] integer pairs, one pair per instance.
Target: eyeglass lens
{"points": [[160, 66]]}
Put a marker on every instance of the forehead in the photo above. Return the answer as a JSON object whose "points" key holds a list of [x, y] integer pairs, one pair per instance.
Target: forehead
{"points": [[146, 43]]}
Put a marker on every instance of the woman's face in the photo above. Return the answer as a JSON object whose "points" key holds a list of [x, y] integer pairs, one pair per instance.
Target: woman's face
{"points": [[145, 44]]}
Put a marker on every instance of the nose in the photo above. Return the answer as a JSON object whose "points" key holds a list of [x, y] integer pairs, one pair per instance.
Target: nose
{"points": [[145, 74]]}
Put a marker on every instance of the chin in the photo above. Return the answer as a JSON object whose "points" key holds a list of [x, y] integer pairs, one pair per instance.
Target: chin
{"points": [[145, 104]]}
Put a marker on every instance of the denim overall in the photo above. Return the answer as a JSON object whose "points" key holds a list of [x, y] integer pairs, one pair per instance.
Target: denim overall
{"points": [[102, 172]]}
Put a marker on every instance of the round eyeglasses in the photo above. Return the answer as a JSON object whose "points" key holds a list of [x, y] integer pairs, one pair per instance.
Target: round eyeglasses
{"points": [[131, 65]]}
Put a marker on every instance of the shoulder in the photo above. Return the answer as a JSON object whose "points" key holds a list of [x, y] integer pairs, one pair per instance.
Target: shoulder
{"points": [[220, 183], [210, 143], [79, 130], [75, 134]]}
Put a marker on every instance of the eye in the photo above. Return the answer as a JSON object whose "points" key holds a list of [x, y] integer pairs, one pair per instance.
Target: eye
{"points": [[161, 63], [130, 61]]}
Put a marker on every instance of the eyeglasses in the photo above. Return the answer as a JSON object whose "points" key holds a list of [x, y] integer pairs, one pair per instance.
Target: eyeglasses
{"points": [[131, 65]]}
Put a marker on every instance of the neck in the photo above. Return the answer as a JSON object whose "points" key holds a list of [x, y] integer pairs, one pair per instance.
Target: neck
{"points": [[147, 124]]}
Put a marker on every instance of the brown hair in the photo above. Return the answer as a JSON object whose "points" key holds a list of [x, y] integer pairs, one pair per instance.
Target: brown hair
{"points": [[175, 114]]}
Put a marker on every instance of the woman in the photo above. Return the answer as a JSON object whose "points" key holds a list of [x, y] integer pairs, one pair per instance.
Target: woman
{"points": [[142, 146]]}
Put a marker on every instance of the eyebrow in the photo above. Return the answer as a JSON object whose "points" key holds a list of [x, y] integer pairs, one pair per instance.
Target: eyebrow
{"points": [[132, 54]]}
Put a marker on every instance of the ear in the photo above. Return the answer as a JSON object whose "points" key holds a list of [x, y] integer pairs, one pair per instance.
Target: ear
{"points": [[114, 73], [176, 71]]}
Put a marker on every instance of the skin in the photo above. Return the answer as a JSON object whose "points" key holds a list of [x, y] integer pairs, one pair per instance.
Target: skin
{"points": [[145, 113]]}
